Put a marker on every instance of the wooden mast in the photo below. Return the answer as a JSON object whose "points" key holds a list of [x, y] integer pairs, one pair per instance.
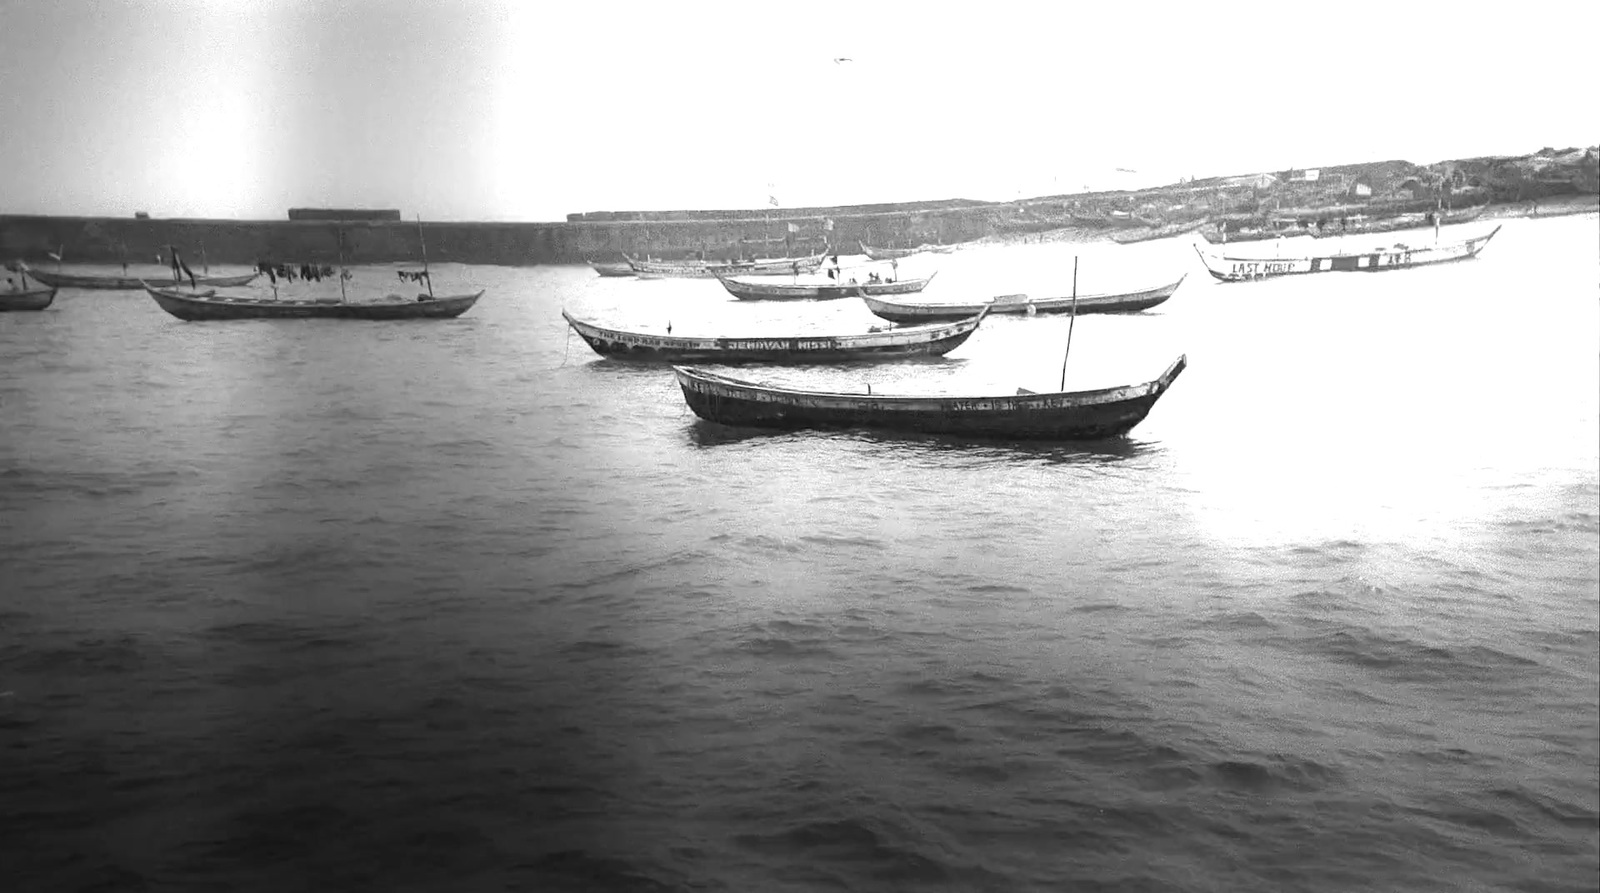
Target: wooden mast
{"points": [[426, 276], [1070, 323]]}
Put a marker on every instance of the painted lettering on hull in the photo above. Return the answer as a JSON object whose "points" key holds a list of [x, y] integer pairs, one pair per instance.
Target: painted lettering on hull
{"points": [[1246, 269], [779, 344]]}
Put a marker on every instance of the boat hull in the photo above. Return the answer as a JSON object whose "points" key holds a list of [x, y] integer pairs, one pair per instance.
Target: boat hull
{"points": [[1398, 257], [656, 269], [927, 341], [1131, 236], [619, 268], [897, 253], [130, 283], [26, 299], [1079, 415], [200, 307], [1130, 302], [783, 291]]}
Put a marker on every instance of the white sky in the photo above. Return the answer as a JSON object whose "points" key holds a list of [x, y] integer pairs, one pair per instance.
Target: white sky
{"points": [[499, 110]]}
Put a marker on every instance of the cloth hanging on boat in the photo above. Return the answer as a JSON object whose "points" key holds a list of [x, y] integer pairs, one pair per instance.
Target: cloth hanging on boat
{"points": [[181, 269], [408, 276]]}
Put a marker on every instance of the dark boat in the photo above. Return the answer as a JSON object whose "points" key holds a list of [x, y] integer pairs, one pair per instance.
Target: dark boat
{"points": [[129, 283], [1394, 257], [774, 290], [896, 253], [1366, 226], [1127, 302], [26, 299], [890, 343], [612, 268], [1130, 236], [1068, 415], [208, 305]]}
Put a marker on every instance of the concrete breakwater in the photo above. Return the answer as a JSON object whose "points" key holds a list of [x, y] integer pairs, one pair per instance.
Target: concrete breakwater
{"points": [[115, 239]]}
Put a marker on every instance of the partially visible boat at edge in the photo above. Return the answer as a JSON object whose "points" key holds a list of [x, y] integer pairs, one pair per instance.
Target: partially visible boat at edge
{"points": [[1066, 415], [26, 299]]}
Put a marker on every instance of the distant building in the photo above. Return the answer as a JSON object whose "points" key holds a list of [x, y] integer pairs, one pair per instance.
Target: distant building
{"points": [[141, 215], [1312, 175], [368, 214]]}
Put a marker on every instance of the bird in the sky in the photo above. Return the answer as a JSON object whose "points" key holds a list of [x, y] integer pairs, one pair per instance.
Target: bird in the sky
{"points": [[838, 59]]}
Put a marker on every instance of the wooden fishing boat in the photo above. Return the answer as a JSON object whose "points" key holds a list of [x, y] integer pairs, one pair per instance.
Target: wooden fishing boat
{"points": [[1126, 302], [896, 253], [1130, 236], [26, 299], [700, 269], [1113, 218], [612, 268], [890, 343], [1394, 257], [1367, 226], [1254, 231], [745, 290], [129, 283], [1066, 415], [208, 305]]}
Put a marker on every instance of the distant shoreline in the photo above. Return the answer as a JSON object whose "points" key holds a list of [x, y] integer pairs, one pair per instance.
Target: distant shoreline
{"points": [[103, 240]]}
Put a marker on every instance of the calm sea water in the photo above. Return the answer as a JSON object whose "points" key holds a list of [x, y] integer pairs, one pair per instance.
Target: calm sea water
{"points": [[461, 606]]}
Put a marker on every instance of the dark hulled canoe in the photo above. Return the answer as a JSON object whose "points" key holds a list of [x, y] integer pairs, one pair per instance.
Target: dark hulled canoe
{"points": [[1395, 257], [1129, 236], [895, 253], [1403, 221], [776, 290], [208, 305], [930, 340], [700, 269], [1070, 415], [130, 283], [612, 268], [1127, 302], [27, 299]]}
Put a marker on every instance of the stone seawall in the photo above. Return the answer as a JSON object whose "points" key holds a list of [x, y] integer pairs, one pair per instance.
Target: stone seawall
{"points": [[112, 239]]}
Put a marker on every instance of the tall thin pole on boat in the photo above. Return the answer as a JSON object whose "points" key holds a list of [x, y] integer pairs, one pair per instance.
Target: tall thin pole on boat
{"points": [[1070, 323], [205, 266], [342, 296], [424, 243]]}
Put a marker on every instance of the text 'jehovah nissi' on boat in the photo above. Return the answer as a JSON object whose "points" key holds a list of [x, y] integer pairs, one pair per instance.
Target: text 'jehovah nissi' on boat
{"points": [[1393, 257], [885, 344], [1066, 415], [702, 269], [1121, 302], [772, 288]]}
